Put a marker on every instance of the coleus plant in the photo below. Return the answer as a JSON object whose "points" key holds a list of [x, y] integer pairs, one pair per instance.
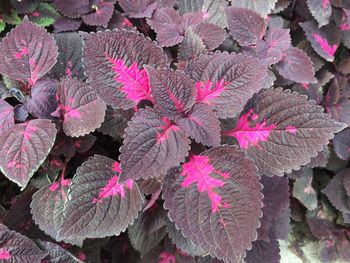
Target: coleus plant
{"points": [[204, 129]]}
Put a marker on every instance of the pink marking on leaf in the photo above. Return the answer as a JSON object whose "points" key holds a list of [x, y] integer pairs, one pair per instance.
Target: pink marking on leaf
{"points": [[35, 14], [81, 256], [54, 186], [197, 171], [70, 112], [344, 27], [4, 254], [248, 136], [111, 189], [169, 126], [68, 72], [205, 93], [325, 4], [178, 103], [330, 50], [24, 51], [126, 22], [134, 80], [305, 86], [166, 257], [291, 129], [129, 184], [116, 167]]}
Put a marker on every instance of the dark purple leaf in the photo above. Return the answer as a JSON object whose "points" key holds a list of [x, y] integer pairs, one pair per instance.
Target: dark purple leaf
{"points": [[325, 40], [101, 14], [321, 10], [63, 24], [42, 101], [27, 53], [173, 91], [99, 206], [113, 64], [245, 26], [149, 186], [262, 7], [201, 124], [213, 197], [341, 143], [24, 6], [138, 8], [17, 248], [281, 225], [211, 35], [57, 254], [264, 252], [152, 144], [7, 116], [282, 131], [69, 62], [226, 81], [24, 147], [304, 191], [73, 8], [83, 112]]}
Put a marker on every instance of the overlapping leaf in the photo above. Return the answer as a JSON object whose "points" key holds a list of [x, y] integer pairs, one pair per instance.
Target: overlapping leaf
{"points": [[246, 26], [24, 147], [321, 10], [138, 8], [42, 101], [304, 191], [99, 206], [226, 81], [213, 197], [7, 117], [152, 144], [17, 248], [83, 112], [262, 7], [281, 131], [101, 14], [57, 254], [341, 143], [73, 8], [113, 63], [191, 46], [264, 252], [27, 53], [63, 24]]}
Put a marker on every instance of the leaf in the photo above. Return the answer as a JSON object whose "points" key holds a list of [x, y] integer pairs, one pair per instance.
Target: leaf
{"points": [[191, 46], [101, 14], [66, 24], [226, 81], [245, 26], [321, 10], [304, 191], [341, 143], [69, 62], [47, 208], [201, 124], [212, 35], [173, 91], [45, 15], [22, 60], [119, 57], [324, 41], [152, 144], [24, 6], [262, 7], [138, 8], [213, 197], [42, 101], [21, 114], [296, 66], [336, 193], [17, 248], [73, 8], [57, 254], [7, 116], [282, 131], [83, 112], [24, 147], [264, 252], [99, 206]]}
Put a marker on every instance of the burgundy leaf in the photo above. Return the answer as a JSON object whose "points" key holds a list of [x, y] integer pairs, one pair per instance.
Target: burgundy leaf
{"points": [[336, 193], [152, 144], [212, 35], [24, 147], [69, 61], [191, 47], [245, 26], [201, 124], [341, 143], [138, 8], [304, 191], [83, 112], [226, 81], [47, 208], [325, 41], [149, 186], [24, 6], [57, 254], [321, 10], [119, 56], [27, 53], [213, 197], [173, 91], [42, 101], [297, 66], [282, 131], [262, 7], [63, 24], [7, 116], [102, 13], [99, 206], [73, 8], [17, 248], [264, 252]]}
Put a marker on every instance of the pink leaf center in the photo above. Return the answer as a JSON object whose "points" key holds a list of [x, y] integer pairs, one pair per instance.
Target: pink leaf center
{"points": [[166, 257], [197, 171], [330, 50], [4, 254], [205, 93], [168, 127], [325, 4]]}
